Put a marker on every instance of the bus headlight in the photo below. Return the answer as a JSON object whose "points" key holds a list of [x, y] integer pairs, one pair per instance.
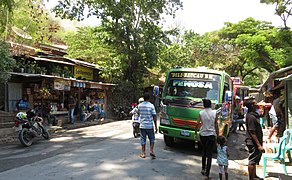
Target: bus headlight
{"points": [[164, 120]]}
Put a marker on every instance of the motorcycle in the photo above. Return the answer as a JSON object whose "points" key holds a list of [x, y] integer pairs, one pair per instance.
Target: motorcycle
{"points": [[136, 129], [136, 122], [28, 126]]}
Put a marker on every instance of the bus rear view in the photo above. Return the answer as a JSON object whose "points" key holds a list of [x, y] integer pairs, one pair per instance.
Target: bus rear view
{"points": [[182, 96]]}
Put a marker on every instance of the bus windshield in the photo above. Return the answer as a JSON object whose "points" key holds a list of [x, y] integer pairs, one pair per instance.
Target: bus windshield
{"points": [[197, 88]]}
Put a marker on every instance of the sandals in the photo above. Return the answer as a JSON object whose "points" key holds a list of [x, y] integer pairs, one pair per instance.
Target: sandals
{"points": [[203, 172], [257, 177], [152, 155]]}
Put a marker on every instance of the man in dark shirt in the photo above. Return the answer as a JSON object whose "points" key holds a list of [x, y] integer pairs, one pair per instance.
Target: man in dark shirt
{"points": [[71, 106], [254, 137]]}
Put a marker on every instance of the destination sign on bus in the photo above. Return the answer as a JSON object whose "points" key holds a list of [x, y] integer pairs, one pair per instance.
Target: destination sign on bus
{"points": [[191, 75]]}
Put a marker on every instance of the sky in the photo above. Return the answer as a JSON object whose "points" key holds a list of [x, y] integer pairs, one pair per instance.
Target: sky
{"points": [[208, 15]]}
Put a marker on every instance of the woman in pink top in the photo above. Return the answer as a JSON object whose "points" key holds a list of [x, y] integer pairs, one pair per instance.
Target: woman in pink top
{"points": [[208, 132]]}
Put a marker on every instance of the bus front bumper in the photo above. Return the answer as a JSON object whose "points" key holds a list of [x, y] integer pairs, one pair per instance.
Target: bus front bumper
{"points": [[179, 133]]}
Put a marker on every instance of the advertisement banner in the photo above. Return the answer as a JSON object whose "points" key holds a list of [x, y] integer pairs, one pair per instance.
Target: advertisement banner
{"points": [[62, 85]]}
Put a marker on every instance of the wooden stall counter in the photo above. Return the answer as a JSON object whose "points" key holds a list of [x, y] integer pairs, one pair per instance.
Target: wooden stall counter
{"points": [[62, 117]]}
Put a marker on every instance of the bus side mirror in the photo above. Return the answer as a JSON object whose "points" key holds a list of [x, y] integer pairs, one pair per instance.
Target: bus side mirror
{"points": [[228, 96]]}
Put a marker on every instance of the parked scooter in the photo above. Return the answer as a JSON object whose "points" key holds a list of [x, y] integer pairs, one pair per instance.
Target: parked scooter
{"points": [[28, 126]]}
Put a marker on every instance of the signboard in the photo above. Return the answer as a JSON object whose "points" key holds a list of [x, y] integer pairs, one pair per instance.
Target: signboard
{"points": [[60, 84], [83, 73], [191, 75]]}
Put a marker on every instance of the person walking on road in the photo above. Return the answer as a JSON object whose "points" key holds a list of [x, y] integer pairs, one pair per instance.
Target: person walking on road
{"points": [[222, 157], [254, 137], [208, 132], [71, 106], [147, 114]]}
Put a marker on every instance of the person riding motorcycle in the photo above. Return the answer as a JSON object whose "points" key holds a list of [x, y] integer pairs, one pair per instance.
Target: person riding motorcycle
{"points": [[136, 119]]}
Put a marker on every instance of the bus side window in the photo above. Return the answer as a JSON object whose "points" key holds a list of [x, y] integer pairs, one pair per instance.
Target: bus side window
{"points": [[226, 88]]}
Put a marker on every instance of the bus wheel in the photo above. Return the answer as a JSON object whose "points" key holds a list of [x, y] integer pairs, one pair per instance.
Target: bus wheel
{"points": [[169, 141]]}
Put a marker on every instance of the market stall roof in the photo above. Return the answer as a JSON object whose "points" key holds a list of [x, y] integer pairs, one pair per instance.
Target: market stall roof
{"points": [[276, 75], [289, 77], [64, 60], [83, 63], [51, 60], [54, 49], [58, 77]]}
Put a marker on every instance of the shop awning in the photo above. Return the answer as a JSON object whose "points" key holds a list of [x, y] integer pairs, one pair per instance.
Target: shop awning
{"points": [[75, 82], [276, 75], [25, 74]]}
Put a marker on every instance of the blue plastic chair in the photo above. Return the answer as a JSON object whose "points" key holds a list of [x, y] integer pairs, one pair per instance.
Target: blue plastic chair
{"points": [[276, 156], [288, 147]]}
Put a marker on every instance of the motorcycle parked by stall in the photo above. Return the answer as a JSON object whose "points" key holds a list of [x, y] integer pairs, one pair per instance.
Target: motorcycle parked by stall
{"points": [[28, 126]]}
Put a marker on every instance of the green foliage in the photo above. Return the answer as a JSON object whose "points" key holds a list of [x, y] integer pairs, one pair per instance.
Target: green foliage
{"points": [[6, 62], [32, 19], [255, 45], [6, 7], [283, 9], [130, 29], [247, 49]]}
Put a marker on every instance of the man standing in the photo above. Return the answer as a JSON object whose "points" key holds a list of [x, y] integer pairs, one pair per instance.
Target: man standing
{"points": [[276, 115], [254, 137], [71, 106], [147, 117]]}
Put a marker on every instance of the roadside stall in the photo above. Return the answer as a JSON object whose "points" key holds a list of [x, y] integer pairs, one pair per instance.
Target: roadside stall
{"points": [[280, 81]]}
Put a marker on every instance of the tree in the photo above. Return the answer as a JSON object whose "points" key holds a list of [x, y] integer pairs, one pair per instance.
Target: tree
{"points": [[254, 45], [6, 7], [31, 17], [132, 28], [247, 49], [283, 9], [90, 44], [6, 62]]}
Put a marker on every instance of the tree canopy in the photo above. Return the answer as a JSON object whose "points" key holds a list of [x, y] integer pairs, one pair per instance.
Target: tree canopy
{"points": [[132, 28], [283, 9]]}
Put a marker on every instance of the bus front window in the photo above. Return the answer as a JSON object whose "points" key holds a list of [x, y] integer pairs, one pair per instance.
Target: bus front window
{"points": [[195, 88]]}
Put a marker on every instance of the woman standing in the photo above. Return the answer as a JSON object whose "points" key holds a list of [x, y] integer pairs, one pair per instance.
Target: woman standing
{"points": [[208, 131]]}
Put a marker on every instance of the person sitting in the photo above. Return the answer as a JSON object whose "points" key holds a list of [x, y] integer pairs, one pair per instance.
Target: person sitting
{"points": [[102, 115], [23, 104], [47, 113], [93, 110], [84, 115], [238, 115]]}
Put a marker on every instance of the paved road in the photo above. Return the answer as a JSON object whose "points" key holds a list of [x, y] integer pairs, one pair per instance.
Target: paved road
{"points": [[106, 151]]}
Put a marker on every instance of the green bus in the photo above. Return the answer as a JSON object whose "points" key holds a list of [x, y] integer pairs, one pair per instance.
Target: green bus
{"points": [[181, 103]]}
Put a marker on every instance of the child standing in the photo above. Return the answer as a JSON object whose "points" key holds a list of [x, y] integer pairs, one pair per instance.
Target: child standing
{"points": [[222, 157]]}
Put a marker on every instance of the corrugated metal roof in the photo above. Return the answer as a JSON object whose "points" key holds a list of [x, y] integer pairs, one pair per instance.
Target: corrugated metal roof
{"points": [[84, 63], [276, 74], [58, 77], [51, 60]]}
